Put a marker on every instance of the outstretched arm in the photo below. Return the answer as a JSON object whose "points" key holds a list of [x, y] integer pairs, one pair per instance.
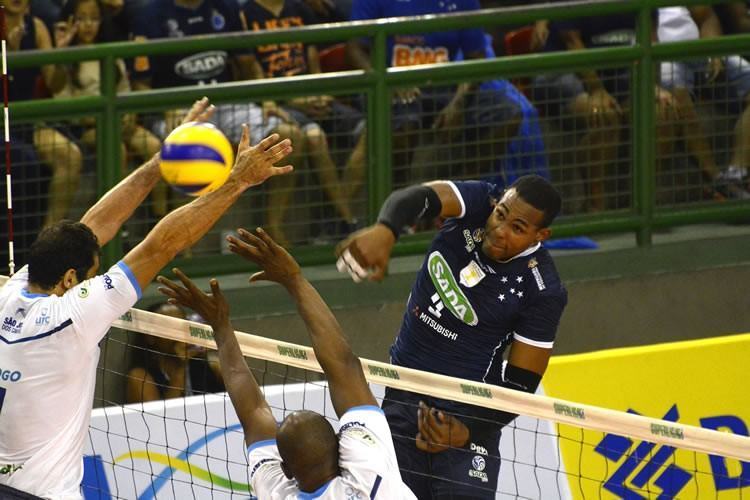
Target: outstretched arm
{"points": [[112, 210], [365, 254], [183, 227], [252, 409], [343, 369]]}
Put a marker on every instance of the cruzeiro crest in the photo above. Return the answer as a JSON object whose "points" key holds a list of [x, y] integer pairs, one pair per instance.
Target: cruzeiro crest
{"points": [[449, 291]]}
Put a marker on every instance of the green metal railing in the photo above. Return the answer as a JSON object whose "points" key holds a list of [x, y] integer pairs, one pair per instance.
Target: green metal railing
{"points": [[376, 86]]}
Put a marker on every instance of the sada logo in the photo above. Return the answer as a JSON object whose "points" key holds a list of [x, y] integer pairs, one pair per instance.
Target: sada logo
{"points": [[450, 293]]}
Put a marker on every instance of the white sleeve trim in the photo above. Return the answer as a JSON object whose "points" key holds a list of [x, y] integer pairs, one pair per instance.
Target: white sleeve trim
{"points": [[460, 199], [535, 343]]}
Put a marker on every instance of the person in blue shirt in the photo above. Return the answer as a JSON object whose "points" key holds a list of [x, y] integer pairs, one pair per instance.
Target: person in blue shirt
{"points": [[481, 113], [487, 285]]}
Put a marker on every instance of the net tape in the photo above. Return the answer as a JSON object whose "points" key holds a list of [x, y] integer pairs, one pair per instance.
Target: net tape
{"points": [[450, 388]]}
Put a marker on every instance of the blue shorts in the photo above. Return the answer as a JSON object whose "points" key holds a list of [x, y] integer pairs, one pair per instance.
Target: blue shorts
{"points": [[468, 473]]}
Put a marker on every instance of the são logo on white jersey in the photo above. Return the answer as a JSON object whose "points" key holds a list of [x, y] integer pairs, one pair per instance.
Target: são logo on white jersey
{"points": [[449, 291]]}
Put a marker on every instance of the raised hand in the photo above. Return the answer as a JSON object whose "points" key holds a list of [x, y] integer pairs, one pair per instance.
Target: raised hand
{"points": [[365, 254], [254, 164], [65, 31], [212, 307], [201, 111], [261, 249]]}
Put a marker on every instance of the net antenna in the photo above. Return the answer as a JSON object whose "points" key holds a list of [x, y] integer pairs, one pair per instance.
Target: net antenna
{"points": [[6, 129]]}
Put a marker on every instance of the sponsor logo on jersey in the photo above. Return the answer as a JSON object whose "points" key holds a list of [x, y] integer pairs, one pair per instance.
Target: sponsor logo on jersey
{"points": [[469, 241], [21, 312], [478, 465], [405, 55], [202, 65], [13, 376], [9, 468], [173, 28], [445, 332], [478, 449], [83, 292], [217, 20], [360, 433], [471, 275], [12, 325], [108, 282], [538, 278], [449, 291], [478, 235]]}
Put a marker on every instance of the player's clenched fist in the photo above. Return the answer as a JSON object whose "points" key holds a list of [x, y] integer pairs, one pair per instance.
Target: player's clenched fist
{"points": [[365, 254]]}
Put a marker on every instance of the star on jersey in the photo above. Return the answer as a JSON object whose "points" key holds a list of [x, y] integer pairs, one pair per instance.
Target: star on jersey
{"points": [[519, 279], [501, 297], [504, 279]]}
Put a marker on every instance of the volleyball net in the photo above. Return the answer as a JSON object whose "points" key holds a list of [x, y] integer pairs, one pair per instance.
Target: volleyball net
{"points": [[192, 447]]}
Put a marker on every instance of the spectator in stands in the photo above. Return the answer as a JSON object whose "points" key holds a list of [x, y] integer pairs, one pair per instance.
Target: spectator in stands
{"points": [[164, 369], [730, 74], [596, 102], [83, 79], [734, 16], [321, 118], [26, 32], [477, 112], [179, 18]]}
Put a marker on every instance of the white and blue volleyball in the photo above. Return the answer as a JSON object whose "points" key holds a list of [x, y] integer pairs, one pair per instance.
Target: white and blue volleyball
{"points": [[196, 158]]}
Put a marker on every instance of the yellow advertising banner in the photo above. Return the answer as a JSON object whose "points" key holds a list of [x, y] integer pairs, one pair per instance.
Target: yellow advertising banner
{"points": [[702, 383]]}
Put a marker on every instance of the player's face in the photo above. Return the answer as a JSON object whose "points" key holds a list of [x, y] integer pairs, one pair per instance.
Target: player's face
{"points": [[513, 226], [89, 21]]}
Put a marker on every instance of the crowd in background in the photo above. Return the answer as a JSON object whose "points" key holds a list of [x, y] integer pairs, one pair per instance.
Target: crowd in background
{"points": [[496, 129]]}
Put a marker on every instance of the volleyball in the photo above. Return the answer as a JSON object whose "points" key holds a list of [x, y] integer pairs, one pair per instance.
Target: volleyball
{"points": [[196, 158]]}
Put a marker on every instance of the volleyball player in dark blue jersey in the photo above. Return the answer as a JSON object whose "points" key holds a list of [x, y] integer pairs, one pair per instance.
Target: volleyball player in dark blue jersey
{"points": [[486, 285]]}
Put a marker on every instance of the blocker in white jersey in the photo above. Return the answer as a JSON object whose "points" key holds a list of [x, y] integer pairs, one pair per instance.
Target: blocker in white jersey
{"points": [[49, 347], [367, 460]]}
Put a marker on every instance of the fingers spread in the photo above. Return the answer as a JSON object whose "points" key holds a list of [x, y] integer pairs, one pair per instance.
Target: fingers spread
{"points": [[266, 238], [268, 142]]}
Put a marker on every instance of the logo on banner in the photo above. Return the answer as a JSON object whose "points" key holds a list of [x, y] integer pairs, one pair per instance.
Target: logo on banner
{"points": [[649, 466]]}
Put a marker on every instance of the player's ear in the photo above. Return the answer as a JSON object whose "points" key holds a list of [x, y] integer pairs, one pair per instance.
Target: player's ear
{"points": [[69, 279], [543, 234]]}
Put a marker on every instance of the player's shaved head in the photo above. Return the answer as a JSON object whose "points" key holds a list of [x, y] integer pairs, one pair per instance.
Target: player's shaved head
{"points": [[309, 447]]}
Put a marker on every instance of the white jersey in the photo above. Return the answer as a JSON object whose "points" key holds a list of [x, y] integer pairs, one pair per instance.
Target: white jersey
{"points": [[49, 349], [676, 25], [369, 469]]}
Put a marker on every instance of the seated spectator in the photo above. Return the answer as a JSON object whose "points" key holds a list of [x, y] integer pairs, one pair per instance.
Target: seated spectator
{"points": [[734, 17], [479, 117], [54, 149], [594, 104], [164, 369], [317, 116], [85, 27], [730, 73], [179, 18]]}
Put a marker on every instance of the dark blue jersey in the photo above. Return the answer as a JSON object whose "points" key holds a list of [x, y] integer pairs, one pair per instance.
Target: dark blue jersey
{"points": [[465, 309], [164, 19], [427, 48]]}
